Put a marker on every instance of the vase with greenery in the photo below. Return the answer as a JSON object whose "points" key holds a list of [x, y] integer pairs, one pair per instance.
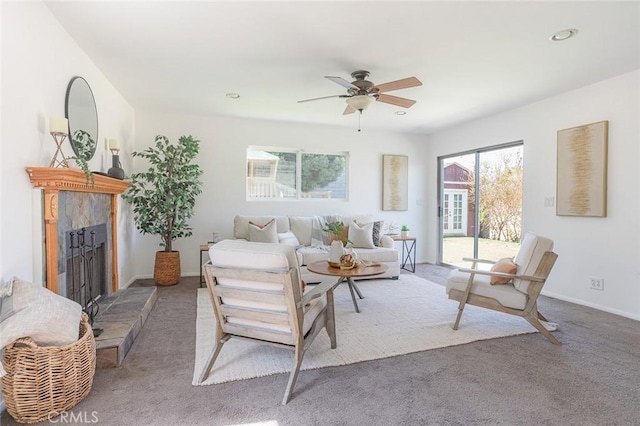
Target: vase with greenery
{"points": [[84, 146], [163, 199]]}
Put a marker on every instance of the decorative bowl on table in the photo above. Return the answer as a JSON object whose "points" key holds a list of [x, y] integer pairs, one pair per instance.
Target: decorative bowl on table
{"points": [[348, 261], [334, 264]]}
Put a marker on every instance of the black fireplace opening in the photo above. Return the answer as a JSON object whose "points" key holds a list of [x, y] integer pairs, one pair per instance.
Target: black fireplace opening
{"points": [[86, 259]]}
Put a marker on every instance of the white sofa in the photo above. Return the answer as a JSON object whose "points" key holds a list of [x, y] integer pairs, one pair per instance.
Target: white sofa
{"points": [[302, 227]]}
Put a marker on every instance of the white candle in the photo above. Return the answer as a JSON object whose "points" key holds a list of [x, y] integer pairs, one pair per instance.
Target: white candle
{"points": [[114, 144], [58, 125]]}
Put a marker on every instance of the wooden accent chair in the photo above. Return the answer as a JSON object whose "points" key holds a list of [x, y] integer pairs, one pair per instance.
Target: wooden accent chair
{"points": [[519, 295], [257, 295]]}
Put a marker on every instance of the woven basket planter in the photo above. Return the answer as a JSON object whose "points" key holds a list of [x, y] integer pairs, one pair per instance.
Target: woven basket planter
{"points": [[43, 381], [167, 268]]}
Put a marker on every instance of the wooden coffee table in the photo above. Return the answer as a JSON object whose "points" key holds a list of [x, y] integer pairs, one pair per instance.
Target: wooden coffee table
{"points": [[347, 275]]}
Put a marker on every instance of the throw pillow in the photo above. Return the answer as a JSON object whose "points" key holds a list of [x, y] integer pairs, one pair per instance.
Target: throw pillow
{"points": [[506, 266], [31, 310], [377, 230], [288, 238], [361, 235], [266, 233]]}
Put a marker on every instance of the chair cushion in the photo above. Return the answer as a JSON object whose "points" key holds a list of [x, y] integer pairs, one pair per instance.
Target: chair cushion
{"points": [[529, 256], [252, 255], [506, 294], [505, 266]]}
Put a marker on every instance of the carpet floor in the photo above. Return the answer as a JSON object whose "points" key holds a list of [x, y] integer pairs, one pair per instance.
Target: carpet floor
{"points": [[592, 379], [397, 317]]}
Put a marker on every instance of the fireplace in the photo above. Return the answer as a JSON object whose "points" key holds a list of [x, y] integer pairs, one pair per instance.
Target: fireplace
{"points": [[86, 267], [70, 203]]}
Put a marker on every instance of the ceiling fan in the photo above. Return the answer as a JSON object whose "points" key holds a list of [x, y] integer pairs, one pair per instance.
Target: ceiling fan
{"points": [[361, 93]]}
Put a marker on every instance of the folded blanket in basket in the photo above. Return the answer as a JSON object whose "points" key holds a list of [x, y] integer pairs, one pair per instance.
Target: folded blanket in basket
{"points": [[31, 310]]}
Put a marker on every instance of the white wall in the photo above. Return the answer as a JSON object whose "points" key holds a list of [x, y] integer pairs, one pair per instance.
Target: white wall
{"points": [[587, 247], [38, 60], [222, 156]]}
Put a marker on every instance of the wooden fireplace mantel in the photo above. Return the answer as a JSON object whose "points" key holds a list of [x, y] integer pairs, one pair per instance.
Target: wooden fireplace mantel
{"points": [[54, 180]]}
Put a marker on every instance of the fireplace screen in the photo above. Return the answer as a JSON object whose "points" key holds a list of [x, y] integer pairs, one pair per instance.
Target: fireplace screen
{"points": [[86, 266]]}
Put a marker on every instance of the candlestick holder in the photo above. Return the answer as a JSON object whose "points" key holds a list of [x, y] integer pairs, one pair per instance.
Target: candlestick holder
{"points": [[59, 138], [116, 171]]}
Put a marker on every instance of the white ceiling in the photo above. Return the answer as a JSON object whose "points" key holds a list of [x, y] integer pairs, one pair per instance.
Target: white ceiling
{"points": [[474, 58]]}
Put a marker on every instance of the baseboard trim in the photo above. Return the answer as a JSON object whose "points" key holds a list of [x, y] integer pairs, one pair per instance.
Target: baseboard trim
{"points": [[591, 305]]}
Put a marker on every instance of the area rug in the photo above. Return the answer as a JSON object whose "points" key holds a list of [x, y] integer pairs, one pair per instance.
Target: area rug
{"points": [[397, 317]]}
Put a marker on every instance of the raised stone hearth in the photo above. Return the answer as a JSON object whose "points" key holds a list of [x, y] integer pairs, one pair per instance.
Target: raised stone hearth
{"points": [[121, 317]]}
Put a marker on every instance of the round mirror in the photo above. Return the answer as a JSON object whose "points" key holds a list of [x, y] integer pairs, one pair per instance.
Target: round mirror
{"points": [[80, 108]]}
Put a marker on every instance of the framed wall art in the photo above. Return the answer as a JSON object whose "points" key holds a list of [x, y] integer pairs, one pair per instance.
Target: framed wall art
{"points": [[581, 188], [395, 182]]}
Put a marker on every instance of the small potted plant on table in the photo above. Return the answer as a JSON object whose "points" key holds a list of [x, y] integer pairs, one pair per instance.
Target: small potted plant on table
{"points": [[404, 231]]}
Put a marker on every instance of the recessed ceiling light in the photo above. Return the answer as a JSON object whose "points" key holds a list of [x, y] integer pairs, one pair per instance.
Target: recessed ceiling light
{"points": [[563, 35], [400, 112], [232, 95]]}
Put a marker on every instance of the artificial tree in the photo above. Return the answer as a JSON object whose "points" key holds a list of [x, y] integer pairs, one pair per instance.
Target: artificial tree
{"points": [[163, 199]]}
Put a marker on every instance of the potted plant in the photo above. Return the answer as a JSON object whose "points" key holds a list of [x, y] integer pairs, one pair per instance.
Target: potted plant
{"points": [[336, 229], [404, 231], [163, 198]]}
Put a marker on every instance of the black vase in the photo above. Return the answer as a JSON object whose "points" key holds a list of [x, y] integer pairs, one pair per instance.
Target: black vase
{"points": [[116, 171]]}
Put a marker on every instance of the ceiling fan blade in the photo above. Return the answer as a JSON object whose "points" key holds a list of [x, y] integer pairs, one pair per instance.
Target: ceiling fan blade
{"points": [[323, 97], [348, 110], [396, 100], [342, 82], [398, 84]]}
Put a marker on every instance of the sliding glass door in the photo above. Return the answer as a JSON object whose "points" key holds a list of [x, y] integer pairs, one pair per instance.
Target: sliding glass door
{"points": [[480, 203]]}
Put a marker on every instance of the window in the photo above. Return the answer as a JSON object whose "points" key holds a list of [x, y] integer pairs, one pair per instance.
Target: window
{"points": [[274, 173]]}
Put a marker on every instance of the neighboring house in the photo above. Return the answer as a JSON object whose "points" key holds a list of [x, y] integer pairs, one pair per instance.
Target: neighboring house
{"points": [[458, 207]]}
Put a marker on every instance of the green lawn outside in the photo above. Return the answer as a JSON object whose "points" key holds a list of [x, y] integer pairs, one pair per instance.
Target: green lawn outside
{"points": [[455, 248]]}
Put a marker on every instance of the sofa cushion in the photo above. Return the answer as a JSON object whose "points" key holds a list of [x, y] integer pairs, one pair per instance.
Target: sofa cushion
{"points": [[378, 254], [377, 232], [301, 227], [309, 254], [507, 295], [361, 235], [265, 233], [241, 224], [288, 238]]}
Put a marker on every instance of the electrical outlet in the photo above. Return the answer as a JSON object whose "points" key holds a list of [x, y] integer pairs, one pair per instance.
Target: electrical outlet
{"points": [[549, 201], [597, 283]]}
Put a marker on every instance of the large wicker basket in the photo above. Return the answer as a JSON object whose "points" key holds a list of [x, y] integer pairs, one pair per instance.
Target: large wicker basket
{"points": [[42, 382]]}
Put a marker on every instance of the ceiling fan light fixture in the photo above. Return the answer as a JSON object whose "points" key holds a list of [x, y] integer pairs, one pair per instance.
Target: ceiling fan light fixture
{"points": [[360, 102]]}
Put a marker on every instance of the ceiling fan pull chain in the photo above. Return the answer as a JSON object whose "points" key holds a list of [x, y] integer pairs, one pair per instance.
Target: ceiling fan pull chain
{"points": [[359, 115]]}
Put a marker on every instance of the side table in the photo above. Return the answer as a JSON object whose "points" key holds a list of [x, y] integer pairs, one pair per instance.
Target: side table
{"points": [[408, 252], [204, 248]]}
